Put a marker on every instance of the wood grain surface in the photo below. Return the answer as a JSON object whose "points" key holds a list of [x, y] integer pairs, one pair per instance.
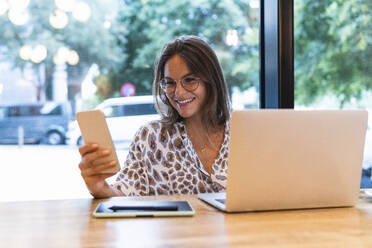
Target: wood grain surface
{"points": [[69, 223]]}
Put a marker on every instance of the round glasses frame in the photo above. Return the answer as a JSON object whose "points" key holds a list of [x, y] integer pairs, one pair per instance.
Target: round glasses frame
{"points": [[188, 83]]}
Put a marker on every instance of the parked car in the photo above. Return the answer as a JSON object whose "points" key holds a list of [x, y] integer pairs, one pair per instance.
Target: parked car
{"points": [[124, 115], [35, 123]]}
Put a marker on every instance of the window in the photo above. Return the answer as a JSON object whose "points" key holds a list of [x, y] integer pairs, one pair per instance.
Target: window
{"points": [[113, 111], [139, 109], [52, 109], [24, 111], [55, 53], [333, 67], [333, 48]]}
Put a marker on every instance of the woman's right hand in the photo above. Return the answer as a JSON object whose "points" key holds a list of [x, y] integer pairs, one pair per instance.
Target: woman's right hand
{"points": [[93, 173]]}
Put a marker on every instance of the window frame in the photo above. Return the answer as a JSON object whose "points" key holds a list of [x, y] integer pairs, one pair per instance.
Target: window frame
{"points": [[276, 54]]}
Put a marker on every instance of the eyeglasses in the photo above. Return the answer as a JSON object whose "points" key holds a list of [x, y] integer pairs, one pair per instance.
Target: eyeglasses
{"points": [[189, 83]]}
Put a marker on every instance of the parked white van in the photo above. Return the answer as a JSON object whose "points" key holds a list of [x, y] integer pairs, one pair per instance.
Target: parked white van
{"points": [[124, 115]]}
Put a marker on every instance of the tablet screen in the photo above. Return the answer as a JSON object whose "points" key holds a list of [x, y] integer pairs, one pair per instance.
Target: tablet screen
{"points": [[125, 208]]}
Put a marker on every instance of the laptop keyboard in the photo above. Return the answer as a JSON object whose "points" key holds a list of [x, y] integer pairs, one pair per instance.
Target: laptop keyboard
{"points": [[223, 201]]}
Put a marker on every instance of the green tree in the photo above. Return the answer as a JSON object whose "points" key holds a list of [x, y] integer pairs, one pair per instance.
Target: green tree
{"points": [[333, 49], [149, 24]]}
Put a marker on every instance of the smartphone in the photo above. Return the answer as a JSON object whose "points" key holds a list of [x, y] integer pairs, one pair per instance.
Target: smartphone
{"points": [[118, 207], [94, 129]]}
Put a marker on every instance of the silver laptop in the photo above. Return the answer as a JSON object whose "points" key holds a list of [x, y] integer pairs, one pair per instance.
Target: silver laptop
{"points": [[292, 159]]}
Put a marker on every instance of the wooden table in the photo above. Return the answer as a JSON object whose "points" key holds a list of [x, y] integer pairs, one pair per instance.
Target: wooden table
{"points": [[69, 223]]}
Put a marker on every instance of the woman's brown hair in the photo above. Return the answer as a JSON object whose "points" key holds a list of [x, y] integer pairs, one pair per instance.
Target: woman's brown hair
{"points": [[202, 61]]}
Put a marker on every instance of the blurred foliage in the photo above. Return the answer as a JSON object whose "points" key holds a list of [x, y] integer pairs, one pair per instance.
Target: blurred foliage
{"points": [[152, 23], [333, 49], [332, 42]]}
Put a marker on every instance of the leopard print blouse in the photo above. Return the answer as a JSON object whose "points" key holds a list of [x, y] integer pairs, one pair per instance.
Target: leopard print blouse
{"points": [[162, 161]]}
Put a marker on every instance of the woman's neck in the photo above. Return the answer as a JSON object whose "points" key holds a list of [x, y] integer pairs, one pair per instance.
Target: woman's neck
{"points": [[196, 127], [205, 140]]}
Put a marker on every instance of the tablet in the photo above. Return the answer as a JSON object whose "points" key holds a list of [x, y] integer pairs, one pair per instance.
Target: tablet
{"points": [[94, 129], [127, 208]]}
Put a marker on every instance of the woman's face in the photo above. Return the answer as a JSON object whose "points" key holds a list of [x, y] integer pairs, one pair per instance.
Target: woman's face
{"points": [[187, 103]]}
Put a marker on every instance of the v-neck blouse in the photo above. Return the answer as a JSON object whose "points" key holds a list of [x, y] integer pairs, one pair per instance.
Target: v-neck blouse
{"points": [[162, 161]]}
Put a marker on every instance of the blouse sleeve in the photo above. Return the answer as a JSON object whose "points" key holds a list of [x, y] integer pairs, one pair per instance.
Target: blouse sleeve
{"points": [[133, 179]]}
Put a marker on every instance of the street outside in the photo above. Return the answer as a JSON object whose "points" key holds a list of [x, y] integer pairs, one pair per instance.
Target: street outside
{"points": [[37, 172]]}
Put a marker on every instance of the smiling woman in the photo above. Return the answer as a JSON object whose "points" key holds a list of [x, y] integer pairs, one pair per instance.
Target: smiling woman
{"points": [[191, 59], [186, 151]]}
